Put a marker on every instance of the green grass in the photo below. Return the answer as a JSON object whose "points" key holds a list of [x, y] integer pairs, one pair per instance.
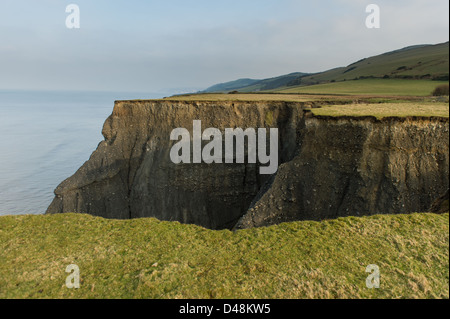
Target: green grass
{"points": [[428, 61], [249, 97], [146, 258], [381, 110], [417, 62], [384, 87]]}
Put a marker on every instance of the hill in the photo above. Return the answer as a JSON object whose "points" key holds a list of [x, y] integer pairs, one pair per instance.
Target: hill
{"points": [[146, 258], [230, 86], [380, 87], [249, 85], [418, 62]]}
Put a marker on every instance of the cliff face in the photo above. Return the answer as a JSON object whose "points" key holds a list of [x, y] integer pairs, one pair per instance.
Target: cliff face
{"points": [[357, 167], [131, 175], [329, 167]]}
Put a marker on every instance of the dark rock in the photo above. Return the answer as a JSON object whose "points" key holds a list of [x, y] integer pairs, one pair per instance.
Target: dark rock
{"points": [[354, 167], [440, 205], [130, 175]]}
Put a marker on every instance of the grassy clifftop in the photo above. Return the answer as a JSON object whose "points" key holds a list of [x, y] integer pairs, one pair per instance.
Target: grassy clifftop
{"points": [[381, 110], [146, 258]]}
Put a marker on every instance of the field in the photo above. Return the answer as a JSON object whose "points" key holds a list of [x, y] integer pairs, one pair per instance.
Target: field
{"points": [[342, 105], [381, 110], [251, 97], [146, 258], [383, 87]]}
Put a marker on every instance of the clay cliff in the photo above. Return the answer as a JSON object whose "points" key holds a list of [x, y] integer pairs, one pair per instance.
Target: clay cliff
{"points": [[329, 167]]}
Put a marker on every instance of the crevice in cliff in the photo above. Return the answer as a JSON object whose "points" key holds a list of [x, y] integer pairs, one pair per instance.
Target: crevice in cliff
{"points": [[129, 181], [344, 194]]}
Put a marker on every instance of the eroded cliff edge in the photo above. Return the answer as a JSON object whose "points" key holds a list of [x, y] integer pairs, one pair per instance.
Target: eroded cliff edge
{"points": [[131, 175], [329, 167], [357, 166]]}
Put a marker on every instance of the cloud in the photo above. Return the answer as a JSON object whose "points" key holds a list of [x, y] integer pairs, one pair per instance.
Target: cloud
{"points": [[291, 36]]}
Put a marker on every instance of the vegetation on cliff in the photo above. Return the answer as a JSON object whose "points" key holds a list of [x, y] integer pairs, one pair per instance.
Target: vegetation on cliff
{"points": [[382, 110], [146, 258]]}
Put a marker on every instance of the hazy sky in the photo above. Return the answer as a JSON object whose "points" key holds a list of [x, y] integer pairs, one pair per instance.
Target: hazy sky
{"points": [[156, 46]]}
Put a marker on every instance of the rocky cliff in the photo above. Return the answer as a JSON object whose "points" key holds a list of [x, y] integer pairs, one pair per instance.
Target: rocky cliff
{"points": [[349, 166], [329, 167], [131, 175]]}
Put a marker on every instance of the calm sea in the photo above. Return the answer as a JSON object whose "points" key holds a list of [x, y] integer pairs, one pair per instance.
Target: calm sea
{"points": [[44, 138]]}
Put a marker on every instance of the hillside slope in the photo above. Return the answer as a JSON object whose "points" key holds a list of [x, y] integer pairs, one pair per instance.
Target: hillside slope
{"points": [[417, 62], [426, 62], [249, 85], [374, 87], [230, 86]]}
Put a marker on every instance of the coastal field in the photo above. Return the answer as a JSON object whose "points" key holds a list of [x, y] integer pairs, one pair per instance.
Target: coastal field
{"points": [[384, 87], [146, 258], [379, 106], [252, 97], [382, 110]]}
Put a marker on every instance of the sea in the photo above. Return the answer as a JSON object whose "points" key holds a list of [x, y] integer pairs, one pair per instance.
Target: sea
{"points": [[45, 136]]}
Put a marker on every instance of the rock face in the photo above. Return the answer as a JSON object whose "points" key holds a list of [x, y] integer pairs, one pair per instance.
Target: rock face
{"points": [[330, 167], [440, 205], [131, 175], [354, 167]]}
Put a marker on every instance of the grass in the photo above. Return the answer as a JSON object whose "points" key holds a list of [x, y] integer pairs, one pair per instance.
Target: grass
{"points": [[249, 97], [383, 87], [413, 63], [146, 258], [381, 110], [346, 105], [429, 61]]}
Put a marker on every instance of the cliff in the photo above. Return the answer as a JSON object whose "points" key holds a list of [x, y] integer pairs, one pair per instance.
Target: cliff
{"points": [[353, 167], [329, 167], [131, 175]]}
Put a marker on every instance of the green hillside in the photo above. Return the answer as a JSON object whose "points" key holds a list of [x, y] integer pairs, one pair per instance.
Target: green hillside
{"points": [[427, 64], [384, 87], [230, 86], [146, 258], [272, 83], [249, 85], [417, 62]]}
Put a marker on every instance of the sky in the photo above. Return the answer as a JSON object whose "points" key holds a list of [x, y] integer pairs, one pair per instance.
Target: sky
{"points": [[187, 45]]}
